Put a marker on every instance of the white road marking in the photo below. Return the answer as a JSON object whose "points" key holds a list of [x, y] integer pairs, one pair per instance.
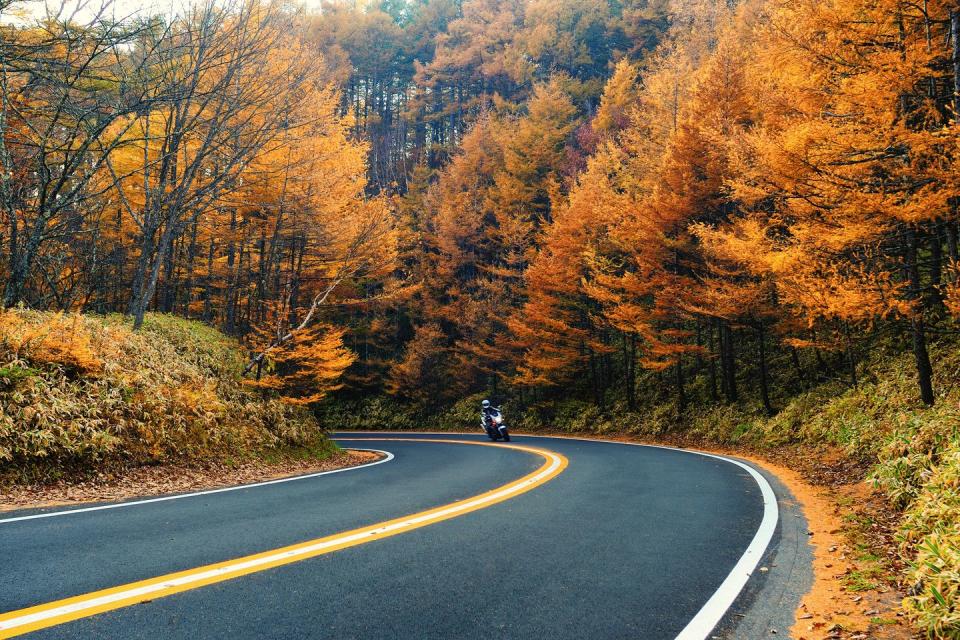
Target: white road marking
{"points": [[133, 503], [699, 627], [710, 615]]}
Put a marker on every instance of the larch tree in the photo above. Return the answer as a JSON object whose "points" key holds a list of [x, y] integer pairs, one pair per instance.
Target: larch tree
{"points": [[845, 176]]}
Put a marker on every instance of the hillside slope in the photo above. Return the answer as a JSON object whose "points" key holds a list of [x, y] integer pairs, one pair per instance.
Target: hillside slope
{"points": [[80, 393]]}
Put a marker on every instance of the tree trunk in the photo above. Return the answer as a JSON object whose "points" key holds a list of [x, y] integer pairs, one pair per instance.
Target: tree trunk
{"points": [[728, 362], [140, 271], [764, 385], [922, 357], [920, 353], [262, 277], [208, 285], [936, 267], [850, 356], [698, 361], [952, 250], [955, 40], [681, 392], [191, 258], [13, 292], [147, 286], [22, 257], [168, 288], [231, 288], [821, 363], [594, 381], [798, 367], [713, 361]]}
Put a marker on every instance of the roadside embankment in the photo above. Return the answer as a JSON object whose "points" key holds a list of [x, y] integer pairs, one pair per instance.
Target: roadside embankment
{"points": [[854, 593], [85, 399]]}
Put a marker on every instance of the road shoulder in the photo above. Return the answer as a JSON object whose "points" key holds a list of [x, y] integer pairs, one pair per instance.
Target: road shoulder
{"points": [[807, 592], [166, 479], [767, 605]]}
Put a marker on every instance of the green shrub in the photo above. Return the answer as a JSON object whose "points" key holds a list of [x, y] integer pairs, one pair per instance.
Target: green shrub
{"points": [[930, 532], [575, 416], [907, 458], [724, 424], [372, 413], [799, 419], [918, 468], [14, 373], [463, 415]]}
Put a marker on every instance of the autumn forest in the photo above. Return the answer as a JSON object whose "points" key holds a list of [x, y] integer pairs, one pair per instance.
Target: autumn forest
{"points": [[434, 199], [439, 198]]}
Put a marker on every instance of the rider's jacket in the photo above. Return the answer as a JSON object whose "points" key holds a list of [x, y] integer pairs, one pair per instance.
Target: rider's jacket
{"points": [[485, 415]]}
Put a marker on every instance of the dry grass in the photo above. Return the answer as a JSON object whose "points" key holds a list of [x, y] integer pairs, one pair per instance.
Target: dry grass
{"points": [[78, 392]]}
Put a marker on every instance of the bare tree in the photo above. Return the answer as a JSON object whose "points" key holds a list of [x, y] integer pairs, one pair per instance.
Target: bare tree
{"points": [[67, 91], [233, 100]]}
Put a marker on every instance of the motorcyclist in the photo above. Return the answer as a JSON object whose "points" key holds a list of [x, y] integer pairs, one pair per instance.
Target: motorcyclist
{"points": [[486, 412], [492, 422]]}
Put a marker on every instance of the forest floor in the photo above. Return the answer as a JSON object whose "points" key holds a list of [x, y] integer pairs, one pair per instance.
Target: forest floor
{"points": [[170, 478], [856, 592]]}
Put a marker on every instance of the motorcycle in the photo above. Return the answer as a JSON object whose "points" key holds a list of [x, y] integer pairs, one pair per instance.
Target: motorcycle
{"points": [[495, 427]]}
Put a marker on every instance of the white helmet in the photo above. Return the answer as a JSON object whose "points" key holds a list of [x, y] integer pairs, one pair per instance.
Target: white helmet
{"points": [[485, 404]]}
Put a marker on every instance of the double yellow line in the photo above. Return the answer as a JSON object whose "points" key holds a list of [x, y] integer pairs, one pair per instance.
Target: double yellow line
{"points": [[50, 614]]}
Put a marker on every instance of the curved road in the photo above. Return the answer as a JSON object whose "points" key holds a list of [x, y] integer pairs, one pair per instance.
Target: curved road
{"points": [[626, 542]]}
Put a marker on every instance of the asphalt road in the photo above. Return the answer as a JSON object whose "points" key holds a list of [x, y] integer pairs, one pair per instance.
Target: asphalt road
{"points": [[627, 542]]}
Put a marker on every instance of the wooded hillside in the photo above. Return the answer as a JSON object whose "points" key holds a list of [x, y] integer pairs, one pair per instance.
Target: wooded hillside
{"points": [[766, 191], [758, 200]]}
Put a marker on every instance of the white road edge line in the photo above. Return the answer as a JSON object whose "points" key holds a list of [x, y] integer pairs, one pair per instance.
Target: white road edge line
{"points": [[13, 623], [133, 503], [710, 615]]}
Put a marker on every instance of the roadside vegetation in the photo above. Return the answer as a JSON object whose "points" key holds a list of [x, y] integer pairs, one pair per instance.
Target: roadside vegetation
{"points": [[85, 393]]}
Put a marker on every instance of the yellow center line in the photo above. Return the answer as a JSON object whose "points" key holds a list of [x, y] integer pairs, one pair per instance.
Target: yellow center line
{"points": [[41, 616]]}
